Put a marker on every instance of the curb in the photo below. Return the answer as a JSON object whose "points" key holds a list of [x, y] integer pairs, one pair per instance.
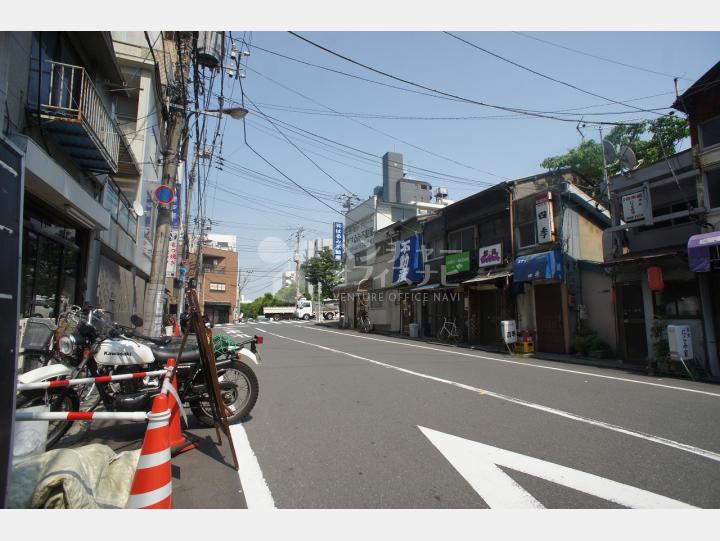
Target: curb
{"points": [[566, 359]]}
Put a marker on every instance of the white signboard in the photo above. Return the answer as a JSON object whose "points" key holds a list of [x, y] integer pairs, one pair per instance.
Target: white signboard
{"points": [[490, 255], [508, 331], [359, 235], [633, 206], [680, 342], [544, 219], [172, 254]]}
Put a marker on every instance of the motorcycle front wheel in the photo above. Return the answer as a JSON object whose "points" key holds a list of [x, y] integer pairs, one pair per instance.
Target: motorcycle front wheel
{"points": [[239, 397], [56, 429]]}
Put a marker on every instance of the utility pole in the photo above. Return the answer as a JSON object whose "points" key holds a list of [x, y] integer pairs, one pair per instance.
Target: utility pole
{"points": [[319, 308], [298, 236], [186, 229], [154, 299], [605, 175]]}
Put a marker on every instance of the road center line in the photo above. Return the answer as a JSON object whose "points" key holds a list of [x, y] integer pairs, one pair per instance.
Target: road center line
{"points": [[257, 493], [567, 415], [569, 370]]}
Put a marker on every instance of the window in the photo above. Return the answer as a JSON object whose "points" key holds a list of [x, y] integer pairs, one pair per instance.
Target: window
{"points": [[679, 299], [710, 132], [713, 188], [669, 199], [217, 286], [526, 221], [462, 240], [434, 248]]}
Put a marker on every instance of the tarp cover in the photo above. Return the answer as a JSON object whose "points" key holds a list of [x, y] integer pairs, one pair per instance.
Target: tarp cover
{"points": [[88, 477], [699, 250]]}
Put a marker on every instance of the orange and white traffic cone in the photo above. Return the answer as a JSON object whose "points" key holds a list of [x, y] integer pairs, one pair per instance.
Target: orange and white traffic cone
{"points": [[152, 485], [177, 329], [179, 443]]}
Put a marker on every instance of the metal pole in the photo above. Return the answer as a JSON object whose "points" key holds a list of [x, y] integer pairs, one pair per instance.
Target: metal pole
{"points": [[319, 308], [298, 233], [605, 175], [186, 233]]}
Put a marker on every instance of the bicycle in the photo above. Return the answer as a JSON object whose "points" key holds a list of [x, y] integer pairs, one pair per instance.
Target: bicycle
{"points": [[364, 323], [449, 331]]}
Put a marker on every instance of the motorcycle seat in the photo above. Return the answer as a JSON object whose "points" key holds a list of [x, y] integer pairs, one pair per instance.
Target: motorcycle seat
{"points": [[191, 353]]}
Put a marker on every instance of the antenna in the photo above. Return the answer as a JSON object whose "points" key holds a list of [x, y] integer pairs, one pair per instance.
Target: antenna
{"points": [[138, 208], [609, 151], [628, 160]]}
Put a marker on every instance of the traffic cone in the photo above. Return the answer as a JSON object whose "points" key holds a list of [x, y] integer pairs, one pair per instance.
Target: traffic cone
{"points": [[152, 485], [179, 443], [177, 330]]}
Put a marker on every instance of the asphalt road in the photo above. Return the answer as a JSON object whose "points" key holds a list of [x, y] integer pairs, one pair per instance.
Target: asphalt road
{"points": [[349, 420]]}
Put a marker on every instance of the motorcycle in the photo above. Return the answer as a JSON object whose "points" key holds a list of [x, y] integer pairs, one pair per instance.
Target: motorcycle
{"points": [[92, 345]]}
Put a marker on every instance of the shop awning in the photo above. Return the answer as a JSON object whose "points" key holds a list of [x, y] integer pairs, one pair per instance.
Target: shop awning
{"points": [[427, 287], [544, 265], [699, 249], [351, 287], [487, 277]]}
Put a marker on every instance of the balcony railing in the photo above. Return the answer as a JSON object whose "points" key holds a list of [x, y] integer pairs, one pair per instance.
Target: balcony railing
{"points": [[71, 108]]}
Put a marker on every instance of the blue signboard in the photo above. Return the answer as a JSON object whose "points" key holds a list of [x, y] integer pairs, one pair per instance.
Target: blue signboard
{"points": [[408, 261], [175, 210], [338, 241]]}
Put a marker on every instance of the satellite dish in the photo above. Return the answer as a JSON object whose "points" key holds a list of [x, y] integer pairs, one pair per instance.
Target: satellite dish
{"points": [[609, 151], [627, 158], [138, 208]]}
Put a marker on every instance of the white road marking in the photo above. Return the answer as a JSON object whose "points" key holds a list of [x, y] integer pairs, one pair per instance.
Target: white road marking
{"points": [[257, 493], [533, 365], [546, 409], [478, 464]]}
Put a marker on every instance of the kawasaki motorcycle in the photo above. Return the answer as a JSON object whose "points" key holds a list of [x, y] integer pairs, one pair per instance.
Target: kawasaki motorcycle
{"points": [[88, 344]]}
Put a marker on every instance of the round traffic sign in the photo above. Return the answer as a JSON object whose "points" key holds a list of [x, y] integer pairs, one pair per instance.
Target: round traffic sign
{"points": [[164, 194]]}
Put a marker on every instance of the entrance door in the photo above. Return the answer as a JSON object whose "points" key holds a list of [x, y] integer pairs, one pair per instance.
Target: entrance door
{"points": [[632, 322], [549, 318]]}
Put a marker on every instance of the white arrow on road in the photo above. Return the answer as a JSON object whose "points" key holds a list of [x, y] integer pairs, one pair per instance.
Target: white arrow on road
{"points": [[478, 464]]}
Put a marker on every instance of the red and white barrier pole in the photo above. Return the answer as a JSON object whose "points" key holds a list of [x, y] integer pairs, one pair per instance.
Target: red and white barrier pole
{"points": [[24, 415], [83, 381]]}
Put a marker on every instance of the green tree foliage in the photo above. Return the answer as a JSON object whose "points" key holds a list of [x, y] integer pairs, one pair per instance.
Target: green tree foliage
{"points": [[651, 141], [324, 269]]}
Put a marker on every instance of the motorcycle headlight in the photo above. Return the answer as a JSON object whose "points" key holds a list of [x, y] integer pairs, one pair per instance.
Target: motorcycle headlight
{"points": [[66, 344]]}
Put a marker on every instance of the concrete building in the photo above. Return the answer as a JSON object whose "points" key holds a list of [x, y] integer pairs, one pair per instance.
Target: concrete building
{"points": [[84, 111], [218, 284], [400, 198]]}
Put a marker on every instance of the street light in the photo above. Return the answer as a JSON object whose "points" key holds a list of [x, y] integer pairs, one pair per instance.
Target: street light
{"points": [[236, 113]]}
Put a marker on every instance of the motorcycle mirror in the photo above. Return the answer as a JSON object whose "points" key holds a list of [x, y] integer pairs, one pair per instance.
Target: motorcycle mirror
{"points": [[136, 320]]}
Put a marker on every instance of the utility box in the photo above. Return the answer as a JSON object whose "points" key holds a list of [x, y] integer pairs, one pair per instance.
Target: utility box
{"points": [[508, 331], [680, 342]]}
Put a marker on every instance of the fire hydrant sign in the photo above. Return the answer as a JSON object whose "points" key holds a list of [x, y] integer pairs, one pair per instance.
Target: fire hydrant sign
{"points": [[633, 206], [680, 342]]}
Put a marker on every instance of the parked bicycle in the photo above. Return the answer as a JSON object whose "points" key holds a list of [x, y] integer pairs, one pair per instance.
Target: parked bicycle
{"points": [[364, 323], [449, 331]]}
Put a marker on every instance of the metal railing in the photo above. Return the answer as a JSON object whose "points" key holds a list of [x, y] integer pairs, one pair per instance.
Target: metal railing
{"points": [[72, 97]]}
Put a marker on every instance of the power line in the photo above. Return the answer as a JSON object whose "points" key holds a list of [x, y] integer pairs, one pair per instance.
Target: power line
{"points": [[297, 147], [339, 72], [553, 79], [382, 132], [442, 93], [598, 57]]}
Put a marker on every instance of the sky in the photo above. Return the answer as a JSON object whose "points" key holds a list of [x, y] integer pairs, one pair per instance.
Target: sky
{"points": [[467, 146]]}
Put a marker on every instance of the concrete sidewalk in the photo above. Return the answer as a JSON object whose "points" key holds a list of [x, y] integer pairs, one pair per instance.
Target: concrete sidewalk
{"points": [[615, 364]]}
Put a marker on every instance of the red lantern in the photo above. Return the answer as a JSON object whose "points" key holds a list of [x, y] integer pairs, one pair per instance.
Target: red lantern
{"points": [[655, 279]]}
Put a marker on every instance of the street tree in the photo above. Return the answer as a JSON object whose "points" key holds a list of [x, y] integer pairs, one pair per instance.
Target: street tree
{"points": [[323, 268], [651, 141]]}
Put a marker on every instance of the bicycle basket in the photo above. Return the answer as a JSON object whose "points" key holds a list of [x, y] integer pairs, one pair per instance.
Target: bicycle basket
{"points": [[38, 332]]}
